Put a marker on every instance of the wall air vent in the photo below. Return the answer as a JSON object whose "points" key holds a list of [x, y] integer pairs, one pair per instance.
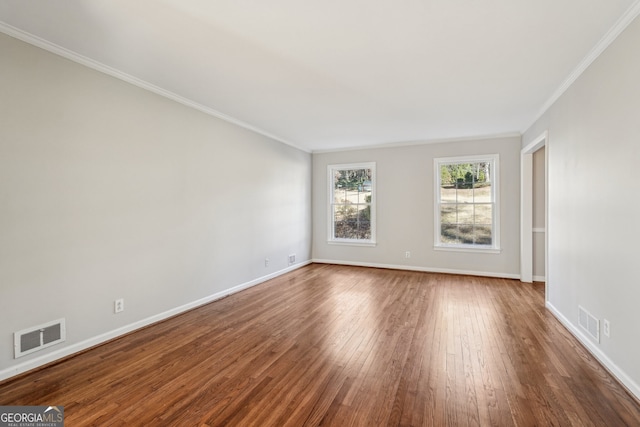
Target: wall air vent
{"points": [[589, 323], [37, 338]]}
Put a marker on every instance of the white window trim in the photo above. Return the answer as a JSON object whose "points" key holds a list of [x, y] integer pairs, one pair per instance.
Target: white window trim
{"points": [[494, 248], [330, 224]]}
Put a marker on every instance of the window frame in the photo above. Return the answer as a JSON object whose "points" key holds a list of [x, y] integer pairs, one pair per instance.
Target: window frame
{"points": [[331, 239], [494, 160]]}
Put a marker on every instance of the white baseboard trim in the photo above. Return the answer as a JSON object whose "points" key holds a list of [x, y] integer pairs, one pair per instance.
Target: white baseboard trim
{"points": [[107, 336], [596, 352], [540, 279], [423, 269]]}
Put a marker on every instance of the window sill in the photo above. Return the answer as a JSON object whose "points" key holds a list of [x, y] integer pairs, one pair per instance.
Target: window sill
{"points": [[467, 249], [352, 243]]}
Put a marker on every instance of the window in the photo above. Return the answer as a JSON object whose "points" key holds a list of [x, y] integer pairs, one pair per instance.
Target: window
{"points": [[352, 210], [467, 208]]}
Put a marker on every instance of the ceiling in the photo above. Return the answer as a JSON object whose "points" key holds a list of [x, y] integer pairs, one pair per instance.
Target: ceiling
{"points": [[331, 74]]}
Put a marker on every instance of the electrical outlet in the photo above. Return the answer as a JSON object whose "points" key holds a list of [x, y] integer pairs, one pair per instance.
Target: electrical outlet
{"points": [[292, 259], [606, 327], [266, 262], [407, 254], [118, 305]]}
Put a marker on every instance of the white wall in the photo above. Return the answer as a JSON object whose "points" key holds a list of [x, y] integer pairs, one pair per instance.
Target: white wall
{"points": [[109, 191], [405, 208], [594, 153]]}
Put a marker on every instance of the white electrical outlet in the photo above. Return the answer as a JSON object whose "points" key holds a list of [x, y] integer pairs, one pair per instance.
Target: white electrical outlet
{"points": [[292, 259], [407, 254], [118, 305], [606, 328], [266, 262]]}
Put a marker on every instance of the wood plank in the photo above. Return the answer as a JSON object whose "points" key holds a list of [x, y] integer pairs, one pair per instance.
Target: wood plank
{"points": [[339, 346]]}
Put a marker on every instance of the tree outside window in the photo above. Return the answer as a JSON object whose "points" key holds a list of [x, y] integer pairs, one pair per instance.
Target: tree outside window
{"points": [[466, 202], [352, 212]]}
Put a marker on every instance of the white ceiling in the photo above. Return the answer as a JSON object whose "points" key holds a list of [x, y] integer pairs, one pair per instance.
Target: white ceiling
{"points": [[327, 74]]}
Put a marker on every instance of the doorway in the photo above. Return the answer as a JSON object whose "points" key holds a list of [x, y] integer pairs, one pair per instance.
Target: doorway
{"points": [[533, 211]]}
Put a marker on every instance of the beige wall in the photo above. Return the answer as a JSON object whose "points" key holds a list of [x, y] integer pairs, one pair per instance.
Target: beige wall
{"points": [[405, 208], [593, 155], [109, 191], [539, 203]]}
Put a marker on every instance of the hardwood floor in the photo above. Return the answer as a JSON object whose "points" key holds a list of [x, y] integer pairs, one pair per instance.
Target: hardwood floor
{"points": [[341, 346]]}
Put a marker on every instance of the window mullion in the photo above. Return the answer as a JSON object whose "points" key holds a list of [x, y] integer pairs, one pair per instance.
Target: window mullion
{"points": [[471, 208], [355, 222]]}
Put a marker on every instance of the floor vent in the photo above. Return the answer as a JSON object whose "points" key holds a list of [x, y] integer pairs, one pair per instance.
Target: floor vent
{"points": [[37, 338], [589, 323]]}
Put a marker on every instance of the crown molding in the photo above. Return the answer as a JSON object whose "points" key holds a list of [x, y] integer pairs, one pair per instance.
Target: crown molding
{"points": [[621, 24], [98, 66], [421, 142]]}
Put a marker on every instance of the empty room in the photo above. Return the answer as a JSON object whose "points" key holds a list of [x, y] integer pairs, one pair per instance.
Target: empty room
{"points": [[288, 213]]}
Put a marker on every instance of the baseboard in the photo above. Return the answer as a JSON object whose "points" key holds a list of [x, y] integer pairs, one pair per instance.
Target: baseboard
{"points": [[539, 279], [626, 381], [415, 268], [107, 336]]}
